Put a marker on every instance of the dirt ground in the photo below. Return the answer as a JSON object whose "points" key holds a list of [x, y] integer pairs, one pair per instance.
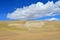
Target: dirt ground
{"points": [[29, 35]]}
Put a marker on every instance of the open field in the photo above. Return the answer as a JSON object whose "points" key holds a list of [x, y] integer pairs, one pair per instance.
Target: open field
{"points": [[47, 31], [29, 35]]}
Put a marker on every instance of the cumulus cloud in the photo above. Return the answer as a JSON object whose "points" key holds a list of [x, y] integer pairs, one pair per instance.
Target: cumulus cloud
{"points": [[53, 19], [36, 10]]}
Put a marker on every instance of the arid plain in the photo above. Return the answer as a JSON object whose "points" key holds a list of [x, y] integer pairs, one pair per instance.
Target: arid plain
{"points": [[30, 30]]}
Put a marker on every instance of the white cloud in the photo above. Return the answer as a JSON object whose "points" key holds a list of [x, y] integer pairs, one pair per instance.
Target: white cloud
{"points": [[36, 10], [58, 4], [53, 19]]}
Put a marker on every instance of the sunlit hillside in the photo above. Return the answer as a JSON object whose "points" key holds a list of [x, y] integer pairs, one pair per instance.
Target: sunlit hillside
{"points": [[30, 30], [30, 25]]}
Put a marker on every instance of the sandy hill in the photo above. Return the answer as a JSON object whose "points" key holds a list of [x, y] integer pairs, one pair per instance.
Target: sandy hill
{"points": [[30, 30], [53, 25]]}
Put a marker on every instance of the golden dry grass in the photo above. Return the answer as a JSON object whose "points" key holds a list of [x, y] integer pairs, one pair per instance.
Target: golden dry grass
{"points": [[29, 35], [50, 31]]}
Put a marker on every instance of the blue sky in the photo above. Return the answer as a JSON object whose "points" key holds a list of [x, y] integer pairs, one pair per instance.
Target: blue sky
{"points": [[8, 6]]}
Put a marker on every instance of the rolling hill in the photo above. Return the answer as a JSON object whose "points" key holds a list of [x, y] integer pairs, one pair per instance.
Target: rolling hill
{"points": [[30, 30], [53, 25]]}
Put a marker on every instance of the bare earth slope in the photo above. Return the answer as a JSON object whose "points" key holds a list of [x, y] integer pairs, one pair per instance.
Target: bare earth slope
{"points": [[29, 30]]}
